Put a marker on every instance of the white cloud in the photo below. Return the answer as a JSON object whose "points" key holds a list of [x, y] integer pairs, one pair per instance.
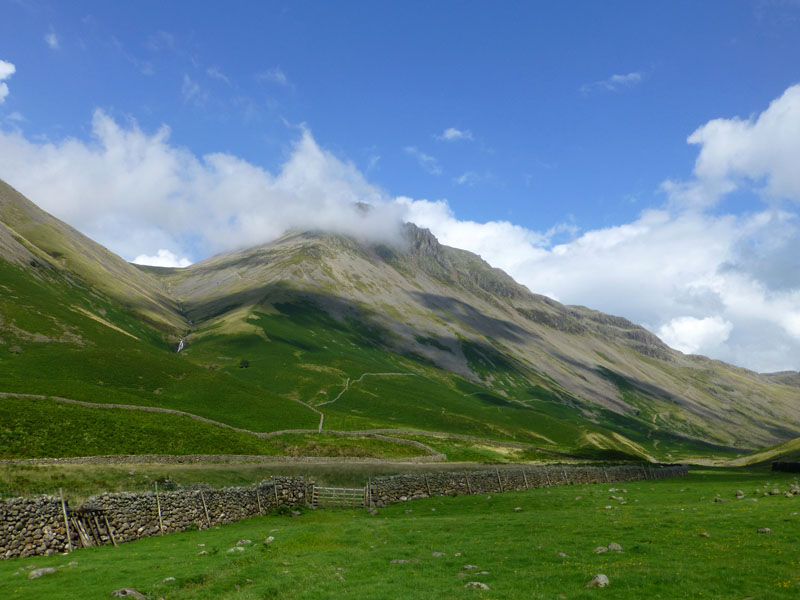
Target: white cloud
{"points": [[426, 161], [51, 39], [763, 150], [451, 134], [135, 192], [274, 75], [612, 84], [690, 334], [468, 178], [7, 69], [192, 92], [162, 258], [216, 73]]}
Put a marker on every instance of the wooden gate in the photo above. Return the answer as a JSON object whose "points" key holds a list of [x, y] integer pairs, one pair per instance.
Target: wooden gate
{"points": [[336, 496]]}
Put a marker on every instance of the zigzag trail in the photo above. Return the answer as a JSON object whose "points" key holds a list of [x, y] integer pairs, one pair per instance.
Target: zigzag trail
{"points": [[359, 380]]}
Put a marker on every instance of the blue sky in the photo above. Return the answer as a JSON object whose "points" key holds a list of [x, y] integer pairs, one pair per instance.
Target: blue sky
{"points": [[545, 136]]}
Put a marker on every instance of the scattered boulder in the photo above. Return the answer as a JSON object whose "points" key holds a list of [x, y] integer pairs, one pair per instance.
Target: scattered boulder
{"points": [[73, 563], [739, 494], [167, 579], [270, 539], [128, 593], [400, 561], [578, 497], [477, 585], [373, 512], [615, 546], [236, 549], [562, 554], [517, 508], [36, 573], [705, 534], [468, 567], [775, 492], [765, 530], [437, 554], [600, 550], [202, 553], [720, 499], [598, 581], [244, 542]]}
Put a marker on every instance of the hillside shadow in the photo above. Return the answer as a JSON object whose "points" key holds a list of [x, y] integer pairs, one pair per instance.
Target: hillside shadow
{"points": [[451, 309]]}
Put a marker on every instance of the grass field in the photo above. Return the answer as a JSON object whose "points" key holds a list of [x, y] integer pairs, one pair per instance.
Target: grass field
{"points": [[348, 554]]}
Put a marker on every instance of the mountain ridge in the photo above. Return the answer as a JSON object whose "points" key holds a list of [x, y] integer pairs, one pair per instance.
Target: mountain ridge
{"points": [[311, 310]]}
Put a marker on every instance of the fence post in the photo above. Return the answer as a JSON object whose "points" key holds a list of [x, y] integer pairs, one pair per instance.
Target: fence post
{"points": [[427, 485], [499, 482], [205, 508], [547, 476], [158, 504], [258, 499], [66, 520], [469, 487], [525, 477], [564, 470]]}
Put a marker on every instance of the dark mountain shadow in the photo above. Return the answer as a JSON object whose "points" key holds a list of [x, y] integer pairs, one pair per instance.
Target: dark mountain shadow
{"points": [[450, 308]]}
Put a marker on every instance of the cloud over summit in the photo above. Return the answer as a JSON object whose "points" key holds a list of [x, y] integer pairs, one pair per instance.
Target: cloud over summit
{"points": [[138, 194]]}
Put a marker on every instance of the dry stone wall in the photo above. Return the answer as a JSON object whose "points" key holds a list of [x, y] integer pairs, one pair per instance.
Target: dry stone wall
{"points": [[37, 526], [400, 488]]}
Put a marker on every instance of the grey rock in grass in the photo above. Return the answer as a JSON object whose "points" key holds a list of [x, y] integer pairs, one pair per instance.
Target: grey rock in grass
{"points": [[615, 546], [437, 554], [468, 567], [461, 575], [128, 593], [600, 550], [599, 581], [269, 540], [739, 494], [167, 579], [400, 561], [236, 549], [73, 563], [202, 553], [775, 492], [517, 508], [373, 512], [562, 554], [720, 500], [244, 542], [705, 534], [765, 530], [476, 585], [36, 573]]}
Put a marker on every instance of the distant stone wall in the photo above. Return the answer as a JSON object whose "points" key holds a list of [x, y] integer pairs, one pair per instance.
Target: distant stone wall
{"points": [[36, 526], [401, 488]]}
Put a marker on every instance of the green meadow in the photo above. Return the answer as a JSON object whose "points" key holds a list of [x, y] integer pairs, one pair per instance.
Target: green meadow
{"points": [[676, 543]]}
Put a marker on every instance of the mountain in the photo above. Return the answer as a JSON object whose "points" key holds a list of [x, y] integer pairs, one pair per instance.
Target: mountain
{"points": [[409, 335]]}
